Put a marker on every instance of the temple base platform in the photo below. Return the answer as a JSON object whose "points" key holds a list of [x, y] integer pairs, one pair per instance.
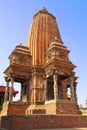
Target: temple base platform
{"points": [[42, 121], [62, 107], [10, 108]]}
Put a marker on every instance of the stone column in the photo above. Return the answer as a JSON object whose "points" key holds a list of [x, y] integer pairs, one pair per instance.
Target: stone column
{"points": [[45, 88], [21, 92], [55, 86], [6, 90], [34, 95], [72, 89], [75, 91], [11, 90], [27, 90]]}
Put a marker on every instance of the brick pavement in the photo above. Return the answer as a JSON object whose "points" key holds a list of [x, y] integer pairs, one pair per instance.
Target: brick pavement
{"points": [[63, 129], [56, 129]]}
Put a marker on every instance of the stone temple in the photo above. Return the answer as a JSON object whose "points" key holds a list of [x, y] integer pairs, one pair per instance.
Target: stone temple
{"points": [[44, 70], [47, 78]]}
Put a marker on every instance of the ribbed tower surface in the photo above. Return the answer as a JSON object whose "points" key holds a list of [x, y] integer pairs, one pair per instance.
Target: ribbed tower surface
{"points": [[42, 31]]}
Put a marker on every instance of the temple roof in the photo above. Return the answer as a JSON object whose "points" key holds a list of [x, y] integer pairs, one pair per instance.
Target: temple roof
{"points": [[2, 90]]}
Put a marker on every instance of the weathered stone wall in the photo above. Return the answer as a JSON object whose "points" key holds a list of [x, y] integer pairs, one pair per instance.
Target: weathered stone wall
{"points": [[23, 122]]}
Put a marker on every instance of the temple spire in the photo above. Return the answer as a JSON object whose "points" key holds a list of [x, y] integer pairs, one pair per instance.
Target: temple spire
{"points": [[43, 30]]}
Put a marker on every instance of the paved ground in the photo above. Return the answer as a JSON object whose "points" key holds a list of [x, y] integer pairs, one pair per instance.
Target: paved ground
{"points": [[63, 129], [56, 129]]}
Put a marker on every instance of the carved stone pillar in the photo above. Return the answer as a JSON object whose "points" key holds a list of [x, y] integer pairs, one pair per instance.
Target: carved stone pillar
{"points": [[6, 90], [21, 91], [27, 90], [55, 86], [75, 91], [72, 89], [45, 89], [34, 95], [11, 90]]}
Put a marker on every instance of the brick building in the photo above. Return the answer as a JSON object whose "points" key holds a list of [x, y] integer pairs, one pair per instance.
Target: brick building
{"points": [[44, 70]]}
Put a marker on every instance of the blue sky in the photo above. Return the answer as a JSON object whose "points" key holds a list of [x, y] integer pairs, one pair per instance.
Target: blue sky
{"points": [[71, 16]]}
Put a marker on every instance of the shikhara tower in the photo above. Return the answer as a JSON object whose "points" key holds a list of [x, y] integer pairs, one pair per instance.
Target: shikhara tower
{"points": [[42, 67]]}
